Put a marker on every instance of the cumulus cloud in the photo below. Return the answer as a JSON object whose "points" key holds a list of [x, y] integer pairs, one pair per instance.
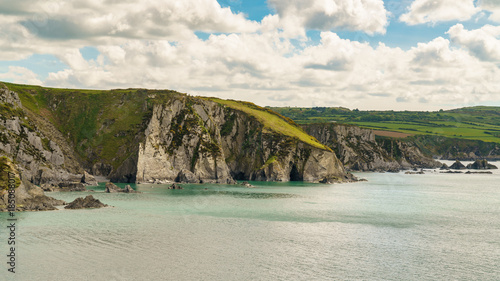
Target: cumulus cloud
{"points": [[129, 19], [261, 62], [492, 6], [483, 43], [432, 11], [369, 16], [20, 75], [259, 68]]}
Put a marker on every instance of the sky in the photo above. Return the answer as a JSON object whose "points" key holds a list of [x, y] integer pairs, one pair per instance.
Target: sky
{"points": [[365, 54]]}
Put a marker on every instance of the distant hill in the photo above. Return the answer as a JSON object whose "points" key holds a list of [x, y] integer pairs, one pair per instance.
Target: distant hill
{"points": [[470, 123]]}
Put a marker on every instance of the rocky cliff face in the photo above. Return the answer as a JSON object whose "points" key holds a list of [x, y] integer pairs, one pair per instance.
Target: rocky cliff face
{"points": [[27, 196], [138, 135], [35, 144], [358, 149], [203, 141]]}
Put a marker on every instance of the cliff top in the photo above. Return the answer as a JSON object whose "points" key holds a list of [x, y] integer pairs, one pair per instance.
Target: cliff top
{"points": [[272, 121]]}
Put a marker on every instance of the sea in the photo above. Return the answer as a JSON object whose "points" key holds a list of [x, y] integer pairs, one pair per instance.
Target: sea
{"points": [[394, 226]]}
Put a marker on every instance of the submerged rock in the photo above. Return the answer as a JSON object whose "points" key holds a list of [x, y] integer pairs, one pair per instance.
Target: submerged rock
{"points": [[457, 166], [451, 172], [414, 173], [481, 165], [469, 172], [113, 188], [87, 202], [246, 184], [175, 186], [129, 189]]}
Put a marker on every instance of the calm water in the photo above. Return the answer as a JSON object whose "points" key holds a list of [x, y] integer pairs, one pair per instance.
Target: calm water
{"points": [[393, 227]]}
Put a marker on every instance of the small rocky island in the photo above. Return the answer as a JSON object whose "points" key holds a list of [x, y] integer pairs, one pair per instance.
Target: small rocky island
{"points": [[113, 188], [88, 202], [481, 165]]}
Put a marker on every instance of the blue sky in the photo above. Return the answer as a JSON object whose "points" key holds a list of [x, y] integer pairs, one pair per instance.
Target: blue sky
{"points": [[367, 54]]}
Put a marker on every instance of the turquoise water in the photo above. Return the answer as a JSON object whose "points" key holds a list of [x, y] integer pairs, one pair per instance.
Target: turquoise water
{"points": [[393, 227]]}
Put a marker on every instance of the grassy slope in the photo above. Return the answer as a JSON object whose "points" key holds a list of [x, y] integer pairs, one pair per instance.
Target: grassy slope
{"points": [[272, 121], [474, 123], [103, 122]]}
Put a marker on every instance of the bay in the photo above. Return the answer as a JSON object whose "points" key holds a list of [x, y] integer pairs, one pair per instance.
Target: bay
{"points": [[392, 227]]}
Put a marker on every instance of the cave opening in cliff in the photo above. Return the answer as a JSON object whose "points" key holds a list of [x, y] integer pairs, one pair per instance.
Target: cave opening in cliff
{"points": [[294, 174], [239, 176]]}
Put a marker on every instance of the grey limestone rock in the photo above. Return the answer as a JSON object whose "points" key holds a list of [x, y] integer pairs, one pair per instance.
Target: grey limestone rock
{"points": [[84, 203]]}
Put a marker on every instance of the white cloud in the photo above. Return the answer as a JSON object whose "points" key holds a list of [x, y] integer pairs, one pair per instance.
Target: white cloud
{"points": [[492, 6], [432, 11], [369, 16], [262, 69], [20, 75], [252, 61], [483, 43], [130, 19]]}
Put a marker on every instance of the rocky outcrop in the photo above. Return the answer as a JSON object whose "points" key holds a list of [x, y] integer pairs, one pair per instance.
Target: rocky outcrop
{"points": [[195, 140], [166, 137], [129, 189], [458, 166], [247, 184], [481, 165], [70, 186], [458, 149], [186, 176], [175, 186], [113, 188], [42, 154], [358, 149], [88, 179], [28, 197], [84, 203]]}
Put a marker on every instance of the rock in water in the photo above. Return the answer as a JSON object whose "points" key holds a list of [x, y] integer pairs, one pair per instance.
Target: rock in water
{"points": [[457, 166], [87, 202], [187, 176], [129, 189], [246, 184], [444, 167], [88, 179], [175, 186], [111, 188], [70, 186], [488, 172], [481, 165]]}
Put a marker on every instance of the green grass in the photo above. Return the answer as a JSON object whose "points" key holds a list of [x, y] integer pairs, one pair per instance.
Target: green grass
{"points": [[272, 121], [473, 123], [102, 125]]}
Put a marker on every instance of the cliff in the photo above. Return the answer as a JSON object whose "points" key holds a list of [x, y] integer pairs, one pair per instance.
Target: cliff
{"points": [[210, 140], [359, 149], [34, 144], [27, 196], [138, 135]]}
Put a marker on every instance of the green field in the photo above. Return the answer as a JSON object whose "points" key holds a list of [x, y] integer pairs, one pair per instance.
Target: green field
{"points": [[474, 123]]}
